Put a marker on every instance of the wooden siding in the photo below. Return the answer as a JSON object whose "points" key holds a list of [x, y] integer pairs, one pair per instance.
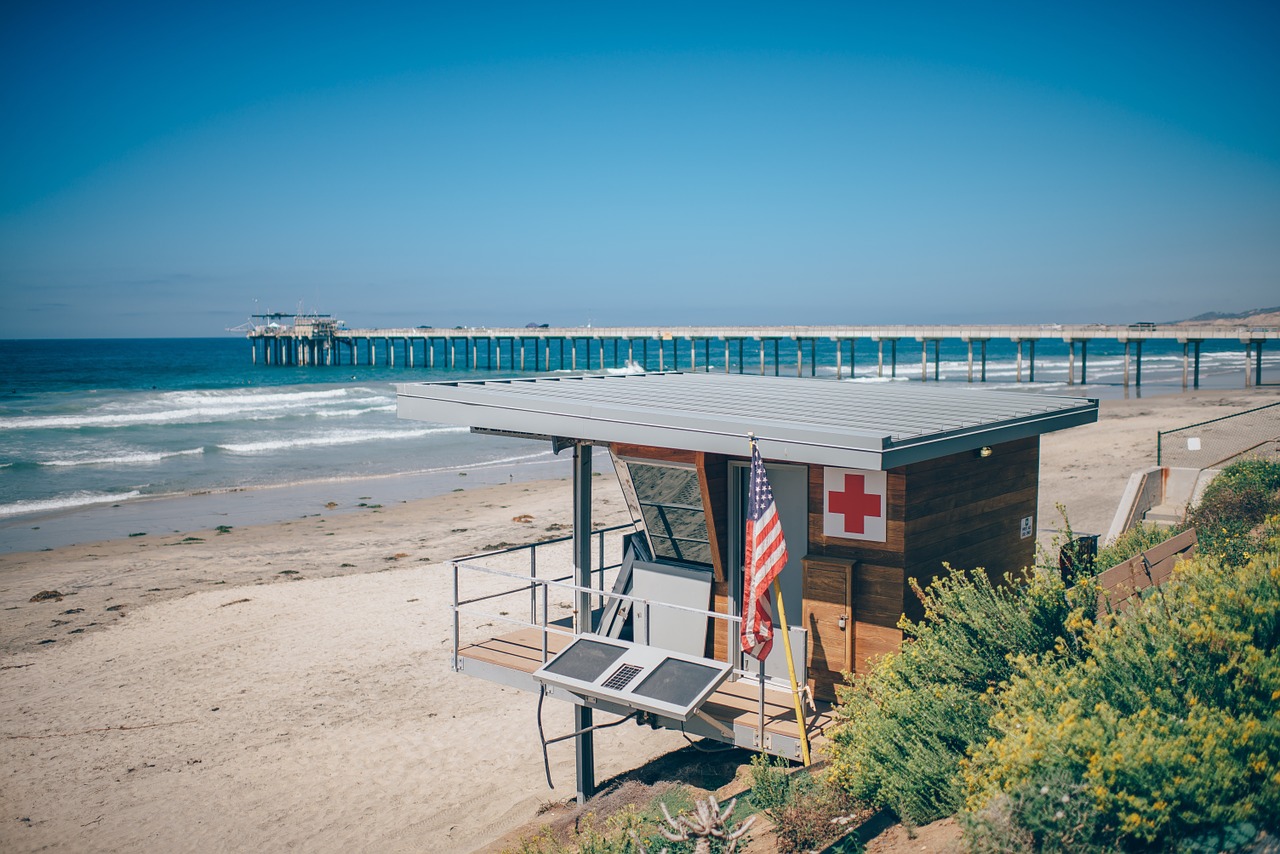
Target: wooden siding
{"points": [[966, 510], [828, 601], [713, 480]]}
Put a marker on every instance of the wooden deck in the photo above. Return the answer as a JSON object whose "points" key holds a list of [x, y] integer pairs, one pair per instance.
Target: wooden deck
{"points": [[735, 705]]}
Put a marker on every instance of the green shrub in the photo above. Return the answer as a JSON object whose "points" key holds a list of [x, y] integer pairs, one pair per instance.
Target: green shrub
{"points": [[904, 728], [1162, 717], [1134, 541], [807, 812], [1234, 505]]}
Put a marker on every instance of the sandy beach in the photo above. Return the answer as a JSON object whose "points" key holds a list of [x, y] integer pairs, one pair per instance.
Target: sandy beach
{"points": [[287, 686]]}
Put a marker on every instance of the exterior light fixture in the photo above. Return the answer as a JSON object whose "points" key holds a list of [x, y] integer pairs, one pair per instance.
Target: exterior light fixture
{"points": [[984, 451]]}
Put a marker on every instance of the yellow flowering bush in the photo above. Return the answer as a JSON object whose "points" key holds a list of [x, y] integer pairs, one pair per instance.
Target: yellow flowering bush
{"points": [[904, 728], [1166, 718]]}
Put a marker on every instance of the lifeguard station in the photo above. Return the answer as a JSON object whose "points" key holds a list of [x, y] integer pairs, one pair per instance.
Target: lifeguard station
{"points": [[875, 484]]}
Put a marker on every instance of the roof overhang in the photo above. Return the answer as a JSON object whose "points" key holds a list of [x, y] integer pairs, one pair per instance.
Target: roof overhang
{"points": [[815, 421]]}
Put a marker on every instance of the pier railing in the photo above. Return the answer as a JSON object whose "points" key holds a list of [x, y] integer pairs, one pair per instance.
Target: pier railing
{"points": [[592, 348]]}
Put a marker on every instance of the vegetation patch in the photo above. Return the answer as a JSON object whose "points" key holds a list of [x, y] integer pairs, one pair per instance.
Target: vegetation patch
{"points": [[904, 728], [1050, 727], [1157, 729]]}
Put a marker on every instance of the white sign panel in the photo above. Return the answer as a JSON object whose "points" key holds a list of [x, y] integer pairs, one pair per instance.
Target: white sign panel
{"points": [[854, 505]]}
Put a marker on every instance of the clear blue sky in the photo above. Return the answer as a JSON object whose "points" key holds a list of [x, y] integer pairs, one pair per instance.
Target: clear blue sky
{"points": [[170, 167]]}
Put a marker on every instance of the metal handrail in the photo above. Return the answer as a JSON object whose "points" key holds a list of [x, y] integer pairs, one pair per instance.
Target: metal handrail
{"points": [[545, 584], [534, 585]]}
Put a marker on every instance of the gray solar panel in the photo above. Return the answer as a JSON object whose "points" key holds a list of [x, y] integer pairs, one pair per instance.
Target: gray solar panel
{"points": [[635, 676]]}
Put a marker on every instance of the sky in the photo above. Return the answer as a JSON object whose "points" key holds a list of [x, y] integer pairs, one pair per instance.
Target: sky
{"points": [[171, 168]]}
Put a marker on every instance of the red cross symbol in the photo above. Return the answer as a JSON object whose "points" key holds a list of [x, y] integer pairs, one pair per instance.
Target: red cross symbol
{"points": [[855, 504]]}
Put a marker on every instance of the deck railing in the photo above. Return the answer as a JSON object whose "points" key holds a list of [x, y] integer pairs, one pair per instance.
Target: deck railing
{"points": [[541, 588]]}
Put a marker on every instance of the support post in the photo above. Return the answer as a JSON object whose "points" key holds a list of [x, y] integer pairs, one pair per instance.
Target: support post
{"points": [[839, 353], [1031, 363], [880, 357], [584, 744], [1071, 361], [1018, 341], [1084, 361]]}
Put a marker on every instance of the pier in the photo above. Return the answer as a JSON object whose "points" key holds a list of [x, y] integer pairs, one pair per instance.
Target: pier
{"points": [[322, 341]]}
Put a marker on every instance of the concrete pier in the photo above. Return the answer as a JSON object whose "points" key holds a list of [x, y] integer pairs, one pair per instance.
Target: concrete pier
{"points": [[320, 341]]}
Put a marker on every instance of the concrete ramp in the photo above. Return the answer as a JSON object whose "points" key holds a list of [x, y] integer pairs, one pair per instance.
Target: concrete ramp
{"points": [[1159, 495]]}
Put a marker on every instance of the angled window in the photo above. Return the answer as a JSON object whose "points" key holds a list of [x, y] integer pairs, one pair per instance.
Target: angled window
{"points": [[668, 499]]}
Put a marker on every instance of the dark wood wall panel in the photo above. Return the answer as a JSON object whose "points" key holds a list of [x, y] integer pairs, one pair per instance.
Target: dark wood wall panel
{"points": [[870, 642], [877, 594], [973, 520], [713, 480]]}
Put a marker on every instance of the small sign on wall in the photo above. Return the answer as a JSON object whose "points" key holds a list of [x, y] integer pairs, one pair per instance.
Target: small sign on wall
{"points": [[854, 505], [1028, 526]]}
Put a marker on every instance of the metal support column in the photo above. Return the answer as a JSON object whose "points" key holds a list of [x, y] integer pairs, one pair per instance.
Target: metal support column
{"points": [[1084, 361], [584, 745]]}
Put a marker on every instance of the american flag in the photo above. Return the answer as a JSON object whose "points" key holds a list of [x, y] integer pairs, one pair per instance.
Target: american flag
{"points": [[766, 555]]}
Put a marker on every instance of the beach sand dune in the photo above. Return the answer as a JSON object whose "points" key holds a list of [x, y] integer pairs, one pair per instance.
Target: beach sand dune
{"points": [[286, 687]]}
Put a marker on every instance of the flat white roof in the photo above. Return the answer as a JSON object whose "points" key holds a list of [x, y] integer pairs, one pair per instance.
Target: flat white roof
{"points": [[856, 424]]}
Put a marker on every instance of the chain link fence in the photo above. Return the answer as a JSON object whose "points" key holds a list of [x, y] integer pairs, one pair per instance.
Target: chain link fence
{"points": [[1210, 444]]}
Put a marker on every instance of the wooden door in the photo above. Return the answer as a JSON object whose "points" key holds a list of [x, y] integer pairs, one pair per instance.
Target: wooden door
{"points": [[829, 619]]}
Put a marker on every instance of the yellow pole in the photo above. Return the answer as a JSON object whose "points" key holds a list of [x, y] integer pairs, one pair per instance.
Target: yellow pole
{"points": [[791, 671]]}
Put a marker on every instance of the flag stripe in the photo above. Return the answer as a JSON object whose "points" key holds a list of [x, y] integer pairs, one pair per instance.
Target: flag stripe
{"points": [[766, 555]]}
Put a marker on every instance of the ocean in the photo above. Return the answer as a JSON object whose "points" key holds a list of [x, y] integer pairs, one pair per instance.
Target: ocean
{"points": [[91, 426]]}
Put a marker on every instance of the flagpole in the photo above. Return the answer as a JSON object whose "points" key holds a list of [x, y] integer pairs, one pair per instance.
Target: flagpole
{"points": [[791, 671]]}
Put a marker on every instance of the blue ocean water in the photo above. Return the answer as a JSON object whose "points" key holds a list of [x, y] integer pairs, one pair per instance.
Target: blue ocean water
{"points": [[107, 421], [101, 422]]}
